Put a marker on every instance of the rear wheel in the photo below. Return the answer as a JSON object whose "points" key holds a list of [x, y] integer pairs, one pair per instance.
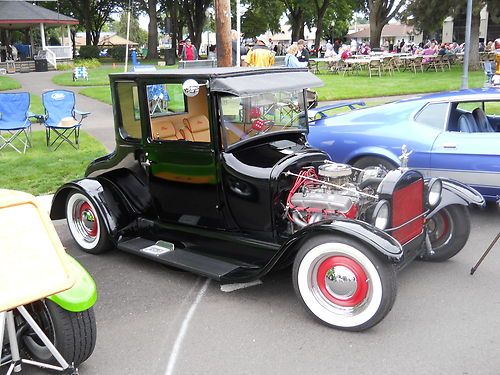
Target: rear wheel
{"points": [[448, 232], [86, 224], [342, 283], [72, 333]]}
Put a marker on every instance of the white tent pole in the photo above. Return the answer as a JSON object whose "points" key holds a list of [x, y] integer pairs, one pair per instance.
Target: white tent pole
{"points": [[42, 33], [238, 29], [128, 34]]}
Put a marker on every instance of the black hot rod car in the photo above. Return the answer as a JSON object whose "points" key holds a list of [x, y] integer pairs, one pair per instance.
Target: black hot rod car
{"points": [[212, 173]]}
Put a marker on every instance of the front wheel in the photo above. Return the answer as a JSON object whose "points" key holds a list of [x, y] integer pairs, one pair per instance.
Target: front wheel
{"points": [[342, 283], [72, 333], [448, 232], [86, 224]]}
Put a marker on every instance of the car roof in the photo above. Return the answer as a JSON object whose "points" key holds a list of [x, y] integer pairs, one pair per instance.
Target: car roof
{"points": [[205, 72], [234, 81], [458, 95]]}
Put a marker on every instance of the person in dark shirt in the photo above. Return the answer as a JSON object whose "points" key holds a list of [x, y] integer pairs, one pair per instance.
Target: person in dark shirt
{"points": [[302, 53]]}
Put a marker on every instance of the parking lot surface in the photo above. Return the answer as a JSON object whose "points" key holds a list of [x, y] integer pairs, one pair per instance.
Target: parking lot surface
{"points": [[156, 320]]}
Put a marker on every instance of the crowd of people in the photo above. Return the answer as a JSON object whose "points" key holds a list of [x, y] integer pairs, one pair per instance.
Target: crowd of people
{"points": [[262, 52]]}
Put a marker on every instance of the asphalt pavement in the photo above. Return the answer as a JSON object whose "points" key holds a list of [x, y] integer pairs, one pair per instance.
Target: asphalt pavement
{"points": [[155, 320]]}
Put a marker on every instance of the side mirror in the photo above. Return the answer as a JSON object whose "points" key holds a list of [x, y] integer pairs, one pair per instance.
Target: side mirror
{"points": [[191, 88]]}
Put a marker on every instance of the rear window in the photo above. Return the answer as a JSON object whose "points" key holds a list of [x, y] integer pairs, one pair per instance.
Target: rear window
{"points": [[128, 102], [433, 115], [387, 113]]}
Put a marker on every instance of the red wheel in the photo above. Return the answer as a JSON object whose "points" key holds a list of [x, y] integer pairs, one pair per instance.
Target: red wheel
{"points": [[85, 224], [343, 283], [448, 232]]}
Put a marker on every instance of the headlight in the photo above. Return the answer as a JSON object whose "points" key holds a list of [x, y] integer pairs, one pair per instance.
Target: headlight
{"points": [[434, 189], [381, 215]]}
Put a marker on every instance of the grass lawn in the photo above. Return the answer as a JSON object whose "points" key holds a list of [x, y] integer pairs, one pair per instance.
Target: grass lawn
{"points": [[97, 77], [362, 86], [7, 83], [36, 106], [101, 93], [337, 87], [41, 171]]}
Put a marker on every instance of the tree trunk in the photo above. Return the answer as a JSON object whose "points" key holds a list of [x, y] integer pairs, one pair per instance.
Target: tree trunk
{"points": [[296, 19], [301, 31], [474, 62], [375, 32], [320, 15], [223, 32], [174, 26], [88, 23], [152, 30]]}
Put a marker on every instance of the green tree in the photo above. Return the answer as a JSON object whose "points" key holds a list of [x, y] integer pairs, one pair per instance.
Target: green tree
{"points": [[428, 16], [380, 12], [136, 33], [92, 14], [332, 17], [150, 8], [194, 12], [258, 19]]}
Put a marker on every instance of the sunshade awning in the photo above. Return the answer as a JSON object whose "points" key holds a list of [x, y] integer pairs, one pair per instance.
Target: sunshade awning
{"points": [[245, 85], [21, 14]]}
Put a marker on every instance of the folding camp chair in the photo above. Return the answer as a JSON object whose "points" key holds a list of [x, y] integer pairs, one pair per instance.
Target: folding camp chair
{"points": [[15, 127], [158, 98], [80, 72], [60, 118]]}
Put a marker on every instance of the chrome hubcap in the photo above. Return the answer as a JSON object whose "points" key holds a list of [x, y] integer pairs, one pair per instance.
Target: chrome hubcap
{"points": [[341, 282]]}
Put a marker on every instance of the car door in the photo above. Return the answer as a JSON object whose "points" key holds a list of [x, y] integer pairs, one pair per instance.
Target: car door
{"points": [[471, 158], [180, 157]]}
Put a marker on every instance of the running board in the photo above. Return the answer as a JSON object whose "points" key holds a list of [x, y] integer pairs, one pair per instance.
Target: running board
{"points": [[166, 253]]}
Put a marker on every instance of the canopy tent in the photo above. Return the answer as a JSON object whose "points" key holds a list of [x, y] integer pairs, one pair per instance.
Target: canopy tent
{"points": [[106, 41], [22, 15], [19, 15]]}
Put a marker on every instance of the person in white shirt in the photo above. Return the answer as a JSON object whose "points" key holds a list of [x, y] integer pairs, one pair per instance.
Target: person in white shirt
{"points": [[354, 46]]}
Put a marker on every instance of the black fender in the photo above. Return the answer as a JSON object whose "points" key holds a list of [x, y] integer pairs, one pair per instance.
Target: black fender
{"points": [[107, 200], [382, 243], [455, 192]]}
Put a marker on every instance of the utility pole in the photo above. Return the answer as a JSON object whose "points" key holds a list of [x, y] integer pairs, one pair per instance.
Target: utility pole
{"points": [[468, 23], [223, 32]]}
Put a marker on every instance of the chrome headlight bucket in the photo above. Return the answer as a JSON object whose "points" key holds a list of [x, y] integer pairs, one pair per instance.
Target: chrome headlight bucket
{"points": [[381, 215], [434, 190]]}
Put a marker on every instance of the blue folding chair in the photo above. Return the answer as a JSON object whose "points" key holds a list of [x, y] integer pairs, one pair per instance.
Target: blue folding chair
{"points": [[14, 122], [158, 98], [80, 72], [60, 120]]}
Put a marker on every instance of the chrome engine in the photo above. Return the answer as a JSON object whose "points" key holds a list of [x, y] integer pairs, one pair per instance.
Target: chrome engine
{"points": [[325, 194]]}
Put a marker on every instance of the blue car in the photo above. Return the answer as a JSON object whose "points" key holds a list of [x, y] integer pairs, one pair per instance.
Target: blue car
{"points": [[453, 134]]}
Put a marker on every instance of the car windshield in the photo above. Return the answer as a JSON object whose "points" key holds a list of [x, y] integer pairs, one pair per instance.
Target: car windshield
{"points": [[256, 115]]}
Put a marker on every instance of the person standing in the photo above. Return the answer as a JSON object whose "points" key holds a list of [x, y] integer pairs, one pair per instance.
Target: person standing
{"points": [[302, 52], [234, 47], [354, 47], [259, 55], [189, 51]]}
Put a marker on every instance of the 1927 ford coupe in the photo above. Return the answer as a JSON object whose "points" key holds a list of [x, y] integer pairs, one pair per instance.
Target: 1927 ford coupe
{"points": [[212, 173]]}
